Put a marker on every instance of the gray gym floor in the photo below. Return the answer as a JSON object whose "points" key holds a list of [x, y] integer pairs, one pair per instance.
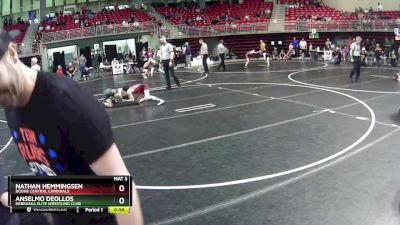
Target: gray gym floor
{"points": [[296, 143]]}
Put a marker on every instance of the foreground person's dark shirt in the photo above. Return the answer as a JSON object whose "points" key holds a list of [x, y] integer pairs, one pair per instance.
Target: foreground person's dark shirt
{"points": [[61, 131]]}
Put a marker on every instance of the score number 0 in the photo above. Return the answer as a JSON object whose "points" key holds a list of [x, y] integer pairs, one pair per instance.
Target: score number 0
{"points": [[121, 200]]}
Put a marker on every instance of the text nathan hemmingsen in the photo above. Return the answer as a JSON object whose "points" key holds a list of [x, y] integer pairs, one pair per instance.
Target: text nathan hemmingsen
{"points": [[46, 188]]}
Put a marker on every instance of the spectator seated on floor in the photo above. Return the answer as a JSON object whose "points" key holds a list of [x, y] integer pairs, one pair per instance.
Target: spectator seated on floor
{"points": [[345, 53], [397, 77], [336, 57], [275, 54], [291, 52], [114, 62], [364, 57], [282, 55]]}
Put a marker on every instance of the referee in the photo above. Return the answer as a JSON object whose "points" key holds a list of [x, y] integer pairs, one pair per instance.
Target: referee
{"points": [[355, 57], [167, 57]]}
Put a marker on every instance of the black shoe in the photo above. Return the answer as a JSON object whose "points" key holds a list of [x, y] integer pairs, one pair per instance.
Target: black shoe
{"points": [[357, 80], [168, 88]]}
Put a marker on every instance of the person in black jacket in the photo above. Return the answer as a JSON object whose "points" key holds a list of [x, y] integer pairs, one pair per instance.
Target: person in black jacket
{"points": [[47, 116]]}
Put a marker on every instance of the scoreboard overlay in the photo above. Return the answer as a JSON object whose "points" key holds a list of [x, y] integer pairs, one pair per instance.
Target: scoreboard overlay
{"points": [[73, 194]]}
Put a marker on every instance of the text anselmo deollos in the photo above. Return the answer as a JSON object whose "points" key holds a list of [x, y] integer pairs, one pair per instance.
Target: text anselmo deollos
{"points": [[46, 201]]}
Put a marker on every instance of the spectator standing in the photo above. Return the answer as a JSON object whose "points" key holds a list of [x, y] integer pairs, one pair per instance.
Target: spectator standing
{"points": [[379, 8], [188, 55], [328, 44], [295, 44], [60, 70], [82, 65], [398, 53], [204, 54], [99, 61], [345, 53], [71, 71], [378, 55], [387, 43], [34, 64], [393, 58], [221, 52], [144, 56], [303, 47]]}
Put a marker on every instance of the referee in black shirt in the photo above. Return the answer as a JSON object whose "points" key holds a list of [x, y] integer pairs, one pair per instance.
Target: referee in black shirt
{"points": [[355, 57]]}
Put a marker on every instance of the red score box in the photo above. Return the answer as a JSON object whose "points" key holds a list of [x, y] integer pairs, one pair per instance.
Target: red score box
{"points": [[88, 189]]}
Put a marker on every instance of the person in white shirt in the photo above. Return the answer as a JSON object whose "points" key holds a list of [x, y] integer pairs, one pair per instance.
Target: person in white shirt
{"points": [[379, 8], [204, 54], [167, 57], [397, 78], [221, 52], [114, 62], [188, 54], [328, 44], [34, 64], [160, 64], [355, 57], [303, 48]]}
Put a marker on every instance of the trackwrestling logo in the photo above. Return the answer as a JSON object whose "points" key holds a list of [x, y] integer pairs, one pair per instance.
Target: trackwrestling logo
{"points": [[30, 146]]}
